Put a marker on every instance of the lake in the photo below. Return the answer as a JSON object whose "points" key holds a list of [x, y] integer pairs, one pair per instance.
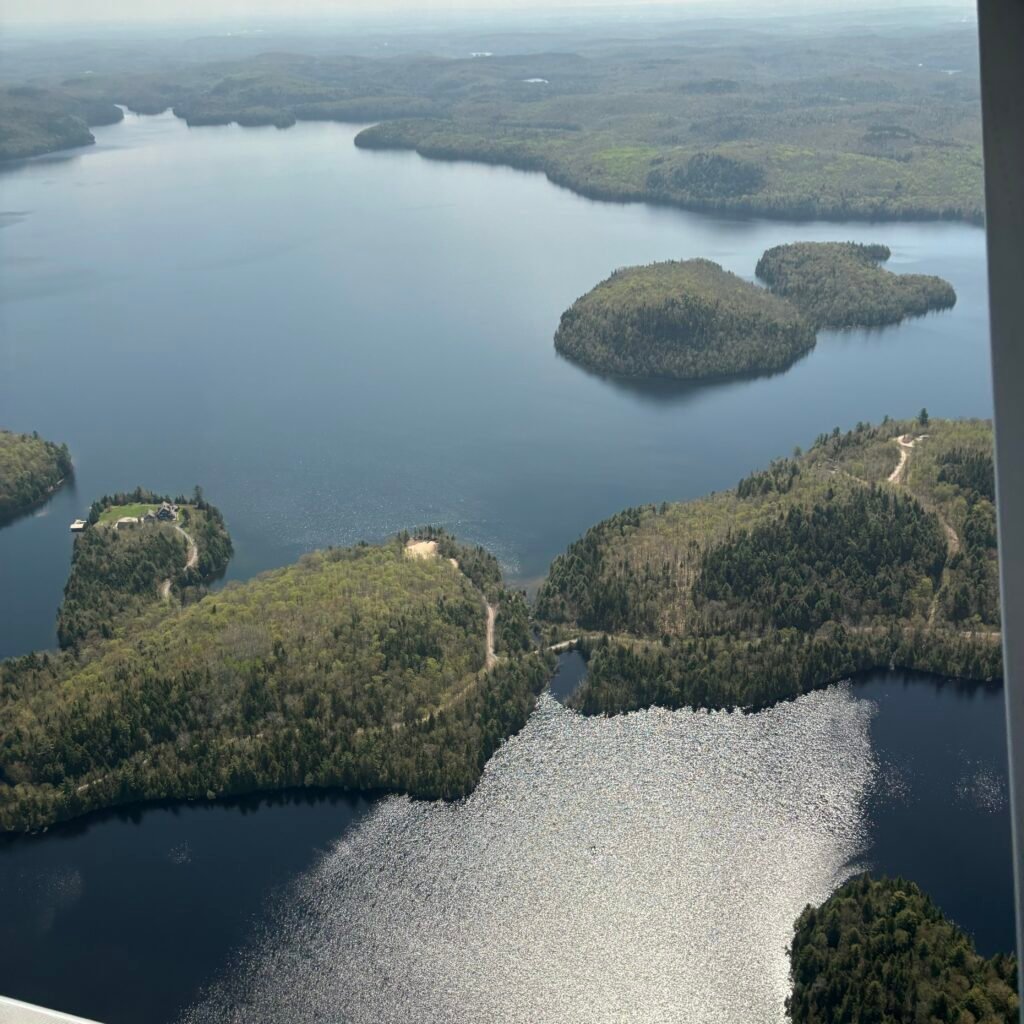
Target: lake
{"points": [[339, 344], [656, 858]]}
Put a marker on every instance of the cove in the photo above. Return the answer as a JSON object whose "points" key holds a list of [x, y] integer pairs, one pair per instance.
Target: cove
{"points": [[339, 344]]}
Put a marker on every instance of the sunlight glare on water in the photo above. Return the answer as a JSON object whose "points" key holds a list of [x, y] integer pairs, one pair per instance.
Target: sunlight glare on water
{"points": [[648, 866]]}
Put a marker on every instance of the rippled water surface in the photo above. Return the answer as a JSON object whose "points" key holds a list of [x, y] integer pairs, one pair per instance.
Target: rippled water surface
{"points": [[643, 867]]}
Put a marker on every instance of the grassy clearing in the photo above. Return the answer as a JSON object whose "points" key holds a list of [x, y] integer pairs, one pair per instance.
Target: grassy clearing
{"points": [[112, 513]]}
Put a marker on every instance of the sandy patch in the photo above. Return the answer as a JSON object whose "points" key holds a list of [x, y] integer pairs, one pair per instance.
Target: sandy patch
{"points": [[421, 549]]}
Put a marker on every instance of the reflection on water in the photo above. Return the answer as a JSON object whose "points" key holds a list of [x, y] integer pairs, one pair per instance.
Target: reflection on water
{"points": [[655, 861], [668, 391]]}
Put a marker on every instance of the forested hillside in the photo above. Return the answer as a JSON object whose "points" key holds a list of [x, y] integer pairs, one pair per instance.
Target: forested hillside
{"points": [[684, 319], [360, 668], [840, 284], [39, 119], [746, 121], [875, 547], [30, 470], [880, 950], [116, 573]]}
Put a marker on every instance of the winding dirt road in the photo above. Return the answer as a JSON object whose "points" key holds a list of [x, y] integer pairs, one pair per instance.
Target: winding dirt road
{"points": [[492, 614], [428, 549], [191, 561], [906, 443]]}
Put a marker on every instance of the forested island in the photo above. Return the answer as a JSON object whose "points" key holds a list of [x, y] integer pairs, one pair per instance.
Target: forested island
{"points": [[655, 119], [874, 548], [119, 566], [362, 668], [687, 319], [841, 284], [31, 469], [880, 950]]}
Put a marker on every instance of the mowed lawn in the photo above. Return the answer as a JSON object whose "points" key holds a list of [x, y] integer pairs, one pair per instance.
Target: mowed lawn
{"points": [[110, 515]]}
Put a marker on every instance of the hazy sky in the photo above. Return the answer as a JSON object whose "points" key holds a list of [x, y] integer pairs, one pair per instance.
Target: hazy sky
{"points": [[25, 11], [167, 10]]}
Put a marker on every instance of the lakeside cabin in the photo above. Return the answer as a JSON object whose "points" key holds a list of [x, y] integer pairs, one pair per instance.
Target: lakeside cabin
{"points": [[167, 513]]}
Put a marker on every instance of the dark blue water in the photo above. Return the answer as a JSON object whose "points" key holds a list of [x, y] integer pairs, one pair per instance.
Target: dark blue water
{"points": [[940, 808], [572, 670], [124, 915], [338, 344]]}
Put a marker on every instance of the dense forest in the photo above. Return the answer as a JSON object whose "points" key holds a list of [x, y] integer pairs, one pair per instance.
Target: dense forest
{"points": [[708, 127], [117, 572], [820, 566], [880, 951], [30, 470], [754, 672], [359, 667], [684, 319], [860, 557], [840, 284]]}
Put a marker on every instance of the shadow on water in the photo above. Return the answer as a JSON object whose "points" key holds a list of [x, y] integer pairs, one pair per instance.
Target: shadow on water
{"points": [[668, 391]]}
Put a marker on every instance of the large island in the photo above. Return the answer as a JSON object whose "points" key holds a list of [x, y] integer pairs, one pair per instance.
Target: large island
{"points": [[686, 319], [875, 548]]}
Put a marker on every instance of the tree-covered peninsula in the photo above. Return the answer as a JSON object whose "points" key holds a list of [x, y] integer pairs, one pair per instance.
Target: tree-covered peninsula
{"points": [[36, 119], [687, 319], [363, 668], [129, 557], [620, 117], [31, 469], [876, 547], [880, 950], [841, 284]]}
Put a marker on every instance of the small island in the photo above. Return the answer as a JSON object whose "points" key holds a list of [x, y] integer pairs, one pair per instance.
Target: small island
{"points": [[874, 548], [134, 550], [31, 469], [880, 950], [841, 284], [686, 320], [399, 667]]}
